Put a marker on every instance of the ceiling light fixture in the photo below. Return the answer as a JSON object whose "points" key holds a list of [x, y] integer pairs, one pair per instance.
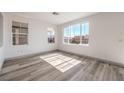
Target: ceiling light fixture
{"points": [[55, 13]]}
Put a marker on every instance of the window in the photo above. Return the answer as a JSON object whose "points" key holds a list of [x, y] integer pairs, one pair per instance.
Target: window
{"points": [[85, 33], [77, 34], [19, 33], [66, 34], [51, 36]]}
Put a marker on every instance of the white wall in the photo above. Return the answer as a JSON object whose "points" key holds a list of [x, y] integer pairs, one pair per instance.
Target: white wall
{"points": [[106, 37], [1, 30], [37, 37], [1, 56], [1, 41]]}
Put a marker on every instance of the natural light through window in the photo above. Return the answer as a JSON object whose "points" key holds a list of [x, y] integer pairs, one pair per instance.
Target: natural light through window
{"points": [[60, 61], [77, 34], [51, 35]]}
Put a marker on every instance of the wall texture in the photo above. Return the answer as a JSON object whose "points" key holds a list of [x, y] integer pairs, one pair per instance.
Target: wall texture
{"points": [[37, 37], [1, 41], [1, 29], [1, 56], [106, 37]]}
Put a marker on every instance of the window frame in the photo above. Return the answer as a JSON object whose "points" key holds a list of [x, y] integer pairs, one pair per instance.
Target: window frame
{"points": [[80, 44], [63, 34], [20, 33], [51, 30]]}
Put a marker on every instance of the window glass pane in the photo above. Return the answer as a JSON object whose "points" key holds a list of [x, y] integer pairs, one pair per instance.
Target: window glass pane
{"points": [[24, 25], [85, 33], [19, 33], [15, 39], [15, 24], [83, 30], [23, 30], [86, 28], [75, 34], [16, 30], [51, 36], [66, 34], [13, 30], [23, 39]]}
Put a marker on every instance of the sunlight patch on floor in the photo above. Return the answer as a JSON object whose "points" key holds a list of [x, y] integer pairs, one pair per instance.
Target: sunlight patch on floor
{"points": [[60, 61]]}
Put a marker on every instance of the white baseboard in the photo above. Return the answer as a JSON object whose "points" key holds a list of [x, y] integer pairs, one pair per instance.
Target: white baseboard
{"points": [[29, 55], [99, 59]]}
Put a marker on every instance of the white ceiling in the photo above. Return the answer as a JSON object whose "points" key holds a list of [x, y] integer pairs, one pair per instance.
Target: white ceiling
{"points": [[63, 17]]}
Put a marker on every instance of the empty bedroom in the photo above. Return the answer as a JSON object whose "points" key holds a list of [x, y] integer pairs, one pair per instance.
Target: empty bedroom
{"points": [[61, 46]]}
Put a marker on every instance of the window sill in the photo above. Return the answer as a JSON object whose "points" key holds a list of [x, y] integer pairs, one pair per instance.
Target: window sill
{"points": [[77, 44], [51, 43], [20, 45]]}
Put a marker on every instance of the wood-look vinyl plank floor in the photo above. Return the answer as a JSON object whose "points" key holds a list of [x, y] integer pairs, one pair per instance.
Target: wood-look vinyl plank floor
{"points": [[60, 66]]}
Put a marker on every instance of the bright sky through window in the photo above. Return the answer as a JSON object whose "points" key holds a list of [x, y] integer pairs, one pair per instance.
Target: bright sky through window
{"points": [[77, 33]]}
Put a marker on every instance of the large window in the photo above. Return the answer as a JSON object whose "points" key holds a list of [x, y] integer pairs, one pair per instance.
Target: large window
{"points": [[77, 34], [19, 33]]}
